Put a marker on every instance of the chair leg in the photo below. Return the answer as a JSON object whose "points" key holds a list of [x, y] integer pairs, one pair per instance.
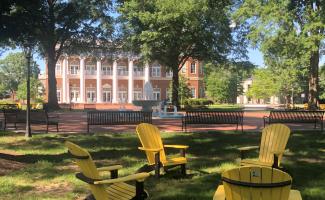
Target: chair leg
{"points": [[157, 165], [183, 169], [47, 128], [57, 128], [140, 194]]}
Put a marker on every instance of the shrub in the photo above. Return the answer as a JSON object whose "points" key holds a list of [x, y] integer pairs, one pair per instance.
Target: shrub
{"points": [[198, 102]]}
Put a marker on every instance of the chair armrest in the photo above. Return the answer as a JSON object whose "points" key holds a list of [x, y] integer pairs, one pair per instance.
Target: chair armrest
{"points": [[138, 177], [245, 149], [176, 146], [280, 152], [110, 168], [153, 150], [248, 148]]}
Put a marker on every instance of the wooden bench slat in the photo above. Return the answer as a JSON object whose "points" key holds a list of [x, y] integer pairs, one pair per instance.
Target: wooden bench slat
{"points": [[117, 118], [276, 116], [212, 117]]}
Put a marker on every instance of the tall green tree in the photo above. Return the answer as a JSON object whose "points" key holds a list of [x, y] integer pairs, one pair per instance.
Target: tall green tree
{"points": [[222, 86], [59, 27], [36, 90], [264, 84], [13, 72], [223, 81], [171, 31], [291, 30]]}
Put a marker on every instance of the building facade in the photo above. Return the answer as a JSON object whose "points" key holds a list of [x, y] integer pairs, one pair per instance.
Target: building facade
{"points": [[90, 80]]}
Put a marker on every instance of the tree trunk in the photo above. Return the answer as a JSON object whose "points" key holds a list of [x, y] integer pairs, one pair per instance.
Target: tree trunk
{"points": [[313, 79], [175, 99], [51, 94]]}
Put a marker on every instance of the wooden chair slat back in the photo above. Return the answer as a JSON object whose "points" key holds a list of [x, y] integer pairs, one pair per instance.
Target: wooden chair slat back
{"points": [[274, 138], [88, 168], [149, 136], [258, 176]]}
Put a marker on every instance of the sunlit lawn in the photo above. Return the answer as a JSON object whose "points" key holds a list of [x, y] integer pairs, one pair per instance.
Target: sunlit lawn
{"points": [[49, 172]]}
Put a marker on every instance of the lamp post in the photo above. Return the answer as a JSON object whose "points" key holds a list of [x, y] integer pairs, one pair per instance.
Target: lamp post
{"points": [[28, 54]]}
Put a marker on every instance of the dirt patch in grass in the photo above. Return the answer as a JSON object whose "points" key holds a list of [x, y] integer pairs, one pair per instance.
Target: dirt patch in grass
{"points": [[54, 188], [7, 166]]}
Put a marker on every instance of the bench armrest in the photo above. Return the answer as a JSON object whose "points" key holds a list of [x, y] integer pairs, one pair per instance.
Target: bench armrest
{"points": [[110, 168], [140, 177], [176, 146], [53, 116], [152, 150], [280, 152]]}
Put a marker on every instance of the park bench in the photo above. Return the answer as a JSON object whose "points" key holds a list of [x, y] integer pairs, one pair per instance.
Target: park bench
{"points": [[212, 117], [15, 116], [313, 117], [117, 118]]}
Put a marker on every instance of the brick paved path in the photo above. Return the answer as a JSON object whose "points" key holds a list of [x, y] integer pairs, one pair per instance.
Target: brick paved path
{"points": [[76, 122]]}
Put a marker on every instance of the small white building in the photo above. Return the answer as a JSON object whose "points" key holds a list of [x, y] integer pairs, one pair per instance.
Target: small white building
{"points": [[243, 99]]}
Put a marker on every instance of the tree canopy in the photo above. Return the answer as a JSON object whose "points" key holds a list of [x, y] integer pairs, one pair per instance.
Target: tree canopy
{"points": [[171, 31], [13, 72], [58, 27], [289, 33]]}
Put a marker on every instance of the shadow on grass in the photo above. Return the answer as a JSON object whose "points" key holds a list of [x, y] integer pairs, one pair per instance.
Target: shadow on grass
{"points": [[208, 154]]}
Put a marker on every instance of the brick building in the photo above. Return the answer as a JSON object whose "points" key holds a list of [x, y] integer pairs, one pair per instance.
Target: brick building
{"points": [[106, 81]]}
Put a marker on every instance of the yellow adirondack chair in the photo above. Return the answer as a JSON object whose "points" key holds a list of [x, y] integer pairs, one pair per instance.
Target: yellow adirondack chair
{"points": [[152, 145], [273, 143], [104, 189], [256, 183]]}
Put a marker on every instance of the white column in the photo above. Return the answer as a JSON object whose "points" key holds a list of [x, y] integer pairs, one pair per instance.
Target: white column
{"points": [[99, 81], [115, 82], [67, 95], [64, 80], [146, 73], [130, 82], [82, 80]]}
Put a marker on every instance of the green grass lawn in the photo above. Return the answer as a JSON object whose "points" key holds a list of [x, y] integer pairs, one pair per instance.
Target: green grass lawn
{"points": [[49, 172]]}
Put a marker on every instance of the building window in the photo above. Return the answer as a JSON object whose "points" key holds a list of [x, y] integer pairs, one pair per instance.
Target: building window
{"points": [[122, 95], [193, 92], [156, 94], [156, 71], [58, 95], [74, 94], [58, 68], [193, 68], [169, 73], [107, 94], [122, 71], [184, 69], [137, 94], [74, 69], [90, 69], [107, 70], [91, 95], [137, 71]]}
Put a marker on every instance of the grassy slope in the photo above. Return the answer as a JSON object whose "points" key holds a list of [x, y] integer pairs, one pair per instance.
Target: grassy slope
{"points": [[49, 173]]}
